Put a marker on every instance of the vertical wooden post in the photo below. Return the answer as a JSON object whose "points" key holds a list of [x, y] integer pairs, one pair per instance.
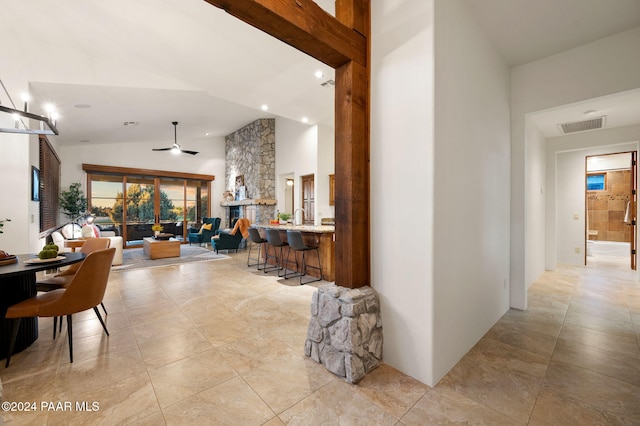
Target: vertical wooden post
{"points": [[352, 177], [352, 196]]}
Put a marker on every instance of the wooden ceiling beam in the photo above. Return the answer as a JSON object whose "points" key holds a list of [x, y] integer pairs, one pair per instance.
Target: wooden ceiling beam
{"points": [[303, 25]]}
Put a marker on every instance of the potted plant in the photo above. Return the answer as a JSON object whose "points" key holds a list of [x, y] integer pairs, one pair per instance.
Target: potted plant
{"points": [[284, 217], [157, 229], [72, 201]]}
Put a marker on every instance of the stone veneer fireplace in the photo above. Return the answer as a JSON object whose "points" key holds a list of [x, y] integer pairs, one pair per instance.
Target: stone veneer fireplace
{"points": [[250, 155]]}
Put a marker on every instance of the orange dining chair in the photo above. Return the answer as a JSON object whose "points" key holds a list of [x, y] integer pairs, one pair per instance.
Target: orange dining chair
{"points": [[85, 291], [63, 278]]}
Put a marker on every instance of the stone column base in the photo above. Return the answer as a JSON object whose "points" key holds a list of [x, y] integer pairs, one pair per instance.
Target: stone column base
{"points": [[345, 331]]}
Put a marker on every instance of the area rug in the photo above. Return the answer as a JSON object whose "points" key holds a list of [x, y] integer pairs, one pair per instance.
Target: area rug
{"points": [[136, 259]]}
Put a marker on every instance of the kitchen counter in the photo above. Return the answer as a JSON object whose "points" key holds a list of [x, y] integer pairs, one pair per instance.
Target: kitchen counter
{"points": [[319, 229], [321, 236]]}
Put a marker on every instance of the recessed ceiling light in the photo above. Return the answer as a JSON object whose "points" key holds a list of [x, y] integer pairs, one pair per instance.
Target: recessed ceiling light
{"points": [[319, 74], [305, 119], [264, 107], [82, 106]]}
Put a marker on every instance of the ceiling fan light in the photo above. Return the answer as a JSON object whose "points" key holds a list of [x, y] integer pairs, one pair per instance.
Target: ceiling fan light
{"points": [[175, 148]]}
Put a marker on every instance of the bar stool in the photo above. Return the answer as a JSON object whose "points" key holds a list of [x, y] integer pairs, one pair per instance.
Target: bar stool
{"points": [[274, 240], [296, 244], [255, 238]]}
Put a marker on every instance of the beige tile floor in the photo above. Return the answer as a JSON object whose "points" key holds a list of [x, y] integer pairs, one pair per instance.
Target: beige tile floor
{"points": [[218, 343]]}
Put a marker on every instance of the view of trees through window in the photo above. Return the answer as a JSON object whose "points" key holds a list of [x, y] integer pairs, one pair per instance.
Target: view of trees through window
{"points": [[140, 207], [127, 208]]}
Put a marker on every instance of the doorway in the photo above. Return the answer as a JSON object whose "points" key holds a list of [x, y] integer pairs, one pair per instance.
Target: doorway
{"points": [[610, 209], [289, 191], [308, 199]]}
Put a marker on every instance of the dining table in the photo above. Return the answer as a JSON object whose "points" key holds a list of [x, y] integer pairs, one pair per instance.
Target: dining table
{"points": [[18, 283]]}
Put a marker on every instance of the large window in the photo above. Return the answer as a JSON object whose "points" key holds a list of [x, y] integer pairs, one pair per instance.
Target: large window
{"points": [[49, 185], [130, 201], [596, 181]]}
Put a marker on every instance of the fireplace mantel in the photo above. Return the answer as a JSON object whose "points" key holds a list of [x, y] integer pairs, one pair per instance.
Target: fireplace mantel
{"points": [[249, 202], [254, 209]]}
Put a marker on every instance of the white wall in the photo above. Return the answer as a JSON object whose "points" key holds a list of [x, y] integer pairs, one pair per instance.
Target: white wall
{"points": [[210, 160], [565, 181], [15, 194], [595, 69], [326, 166], [439, 163], [535, 182], [471, 203], [297, 154], [402, 169]]}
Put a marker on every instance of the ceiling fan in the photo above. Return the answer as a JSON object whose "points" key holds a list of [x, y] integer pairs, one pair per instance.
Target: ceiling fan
{"points": [[175, 149]]}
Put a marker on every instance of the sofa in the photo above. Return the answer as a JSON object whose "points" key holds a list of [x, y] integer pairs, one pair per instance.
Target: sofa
{"points": [[138, 231], [88, 231], [203, 236]]}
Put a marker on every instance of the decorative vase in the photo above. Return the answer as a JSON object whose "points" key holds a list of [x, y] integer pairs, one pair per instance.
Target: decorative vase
{"points": [[156, 233]]}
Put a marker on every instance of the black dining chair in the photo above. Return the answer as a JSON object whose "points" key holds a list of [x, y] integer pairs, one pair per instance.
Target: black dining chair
{"points": [[296, 244], [275, 242], [255, 238]]}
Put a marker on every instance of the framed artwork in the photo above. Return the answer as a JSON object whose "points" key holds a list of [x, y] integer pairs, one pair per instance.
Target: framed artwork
{"points": [[35, 184]]}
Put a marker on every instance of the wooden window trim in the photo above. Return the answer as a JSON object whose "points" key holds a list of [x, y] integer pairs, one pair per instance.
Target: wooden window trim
{"points": [[49, 164], [95, 168]]}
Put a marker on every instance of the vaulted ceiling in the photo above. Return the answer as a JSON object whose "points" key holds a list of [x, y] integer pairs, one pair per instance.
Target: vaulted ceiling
{"points": [[153, 62]]}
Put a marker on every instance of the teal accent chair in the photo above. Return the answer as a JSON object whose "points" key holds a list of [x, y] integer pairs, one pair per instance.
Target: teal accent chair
{"points": [[204, 237], [230, 239], [226, 241]]}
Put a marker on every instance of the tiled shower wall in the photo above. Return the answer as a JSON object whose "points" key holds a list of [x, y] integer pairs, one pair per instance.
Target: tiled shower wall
{"points": [[606, 209]]}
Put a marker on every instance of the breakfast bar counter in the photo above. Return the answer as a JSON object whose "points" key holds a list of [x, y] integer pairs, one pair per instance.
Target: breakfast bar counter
{"points": [[321, 236]]}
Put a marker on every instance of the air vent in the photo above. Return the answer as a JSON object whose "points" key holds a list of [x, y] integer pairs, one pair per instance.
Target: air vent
{"points": [[328, 83], [582, 126], [130, 123]]}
